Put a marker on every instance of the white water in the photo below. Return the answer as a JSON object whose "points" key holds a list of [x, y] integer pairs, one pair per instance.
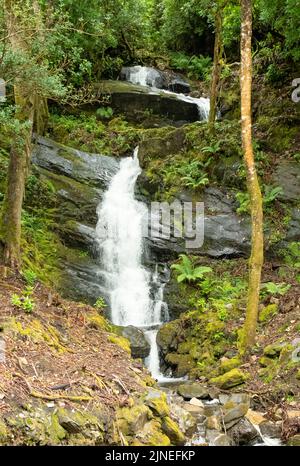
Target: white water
{"points": [[119, 235], [147, 77]]}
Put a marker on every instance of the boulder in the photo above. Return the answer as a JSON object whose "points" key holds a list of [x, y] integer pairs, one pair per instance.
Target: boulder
{"points": [[152, 77], [230, 379], [271, 429], [140, 347], [193, 390], [131, 99], [171, 429], [244, 433], [287, 176]]}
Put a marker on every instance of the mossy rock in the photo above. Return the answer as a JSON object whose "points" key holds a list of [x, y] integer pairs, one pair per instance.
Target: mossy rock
{"points": [[3, 433], [193, 390], [229, 364], [97, 321], [151, 435], [157, 402], [294, 441], [230, 379], [132, 420], [274, 350], [166, 336], [184, 363], [171, 429], [268, 312], [264, 361]]}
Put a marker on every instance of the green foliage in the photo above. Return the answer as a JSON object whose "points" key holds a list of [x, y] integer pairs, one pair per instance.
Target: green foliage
{"points": [[30, 276], [271, 288], [196, 67], [270, 194], [191, 174], [104, 113], [100, 304], [186, 271], [24, 301]]}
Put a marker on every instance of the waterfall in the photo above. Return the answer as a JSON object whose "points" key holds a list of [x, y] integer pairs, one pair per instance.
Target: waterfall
{"points": [[149, 77], [135, 294]]}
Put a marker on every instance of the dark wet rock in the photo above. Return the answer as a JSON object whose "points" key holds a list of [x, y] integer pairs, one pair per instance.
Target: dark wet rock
{"points": [[244, 433], [193, 390], [171, 143], [82, 280], [270, 429], [131, 98], [225, 233], [140, 347], [287, 175], [293, 233], [179, 85], [155, 78], [92, 169]]}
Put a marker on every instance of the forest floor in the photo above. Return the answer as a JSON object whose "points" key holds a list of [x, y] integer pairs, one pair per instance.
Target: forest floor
{"points": [[61, 351]]}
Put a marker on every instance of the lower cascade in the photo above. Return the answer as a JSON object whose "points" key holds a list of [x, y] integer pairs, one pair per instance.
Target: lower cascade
{"points": [[135, 294]]}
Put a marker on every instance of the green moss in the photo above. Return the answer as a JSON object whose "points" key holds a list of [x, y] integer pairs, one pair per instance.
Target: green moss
{"points": [[132, 420], [183, 363], [120, 341], [171, 429], [151, 435], [37, 332], [157, 402], [97, 321], [229, 364], [230, 379], [268, 312], [3, 432]]}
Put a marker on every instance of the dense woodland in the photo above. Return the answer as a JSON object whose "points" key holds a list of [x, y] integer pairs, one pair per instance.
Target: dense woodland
{"points": [[234, 306]]}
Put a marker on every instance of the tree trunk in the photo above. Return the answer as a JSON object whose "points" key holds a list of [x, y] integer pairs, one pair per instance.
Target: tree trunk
{"points": [[216, 71], [247, 337], [10, 228]]}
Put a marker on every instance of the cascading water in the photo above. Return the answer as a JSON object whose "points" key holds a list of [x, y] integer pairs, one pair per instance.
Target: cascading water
{"points": [[119, 236], [149, 77]]}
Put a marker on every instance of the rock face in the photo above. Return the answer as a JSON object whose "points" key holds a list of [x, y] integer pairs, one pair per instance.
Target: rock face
{"points": [[287, 176], [152, 77], [130, 98], [140, 347]]}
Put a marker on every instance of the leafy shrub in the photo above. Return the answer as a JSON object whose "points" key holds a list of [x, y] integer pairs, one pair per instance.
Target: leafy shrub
{"points": [[100, 304], [187, 271], [24, 301], [196, 67], [271, 288], [104, 113], [30, 276]]}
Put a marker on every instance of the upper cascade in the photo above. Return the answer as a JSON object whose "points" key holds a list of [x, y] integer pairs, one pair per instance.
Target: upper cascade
{"points": [[167, 83]]}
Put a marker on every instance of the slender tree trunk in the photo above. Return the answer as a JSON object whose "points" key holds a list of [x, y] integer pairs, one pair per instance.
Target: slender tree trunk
{"points": [[10, 227], [247, 337], [216, 71]]}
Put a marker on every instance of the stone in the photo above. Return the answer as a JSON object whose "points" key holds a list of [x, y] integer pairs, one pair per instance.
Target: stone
{"points": [[140, 347], [193, 390], [270, 429], [228, 364], [131, 98], [273, 350], [244, 433], [186, 421], [179, 85], [293, 414], [232, 415], [156, 400], [194, 410], [268, 312], [196, 402], [230, 379], [151, 435], [213, 422], [222, 440], [171, 429], [294, 441], [287, 176], [132, 420], [255, 417]]}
